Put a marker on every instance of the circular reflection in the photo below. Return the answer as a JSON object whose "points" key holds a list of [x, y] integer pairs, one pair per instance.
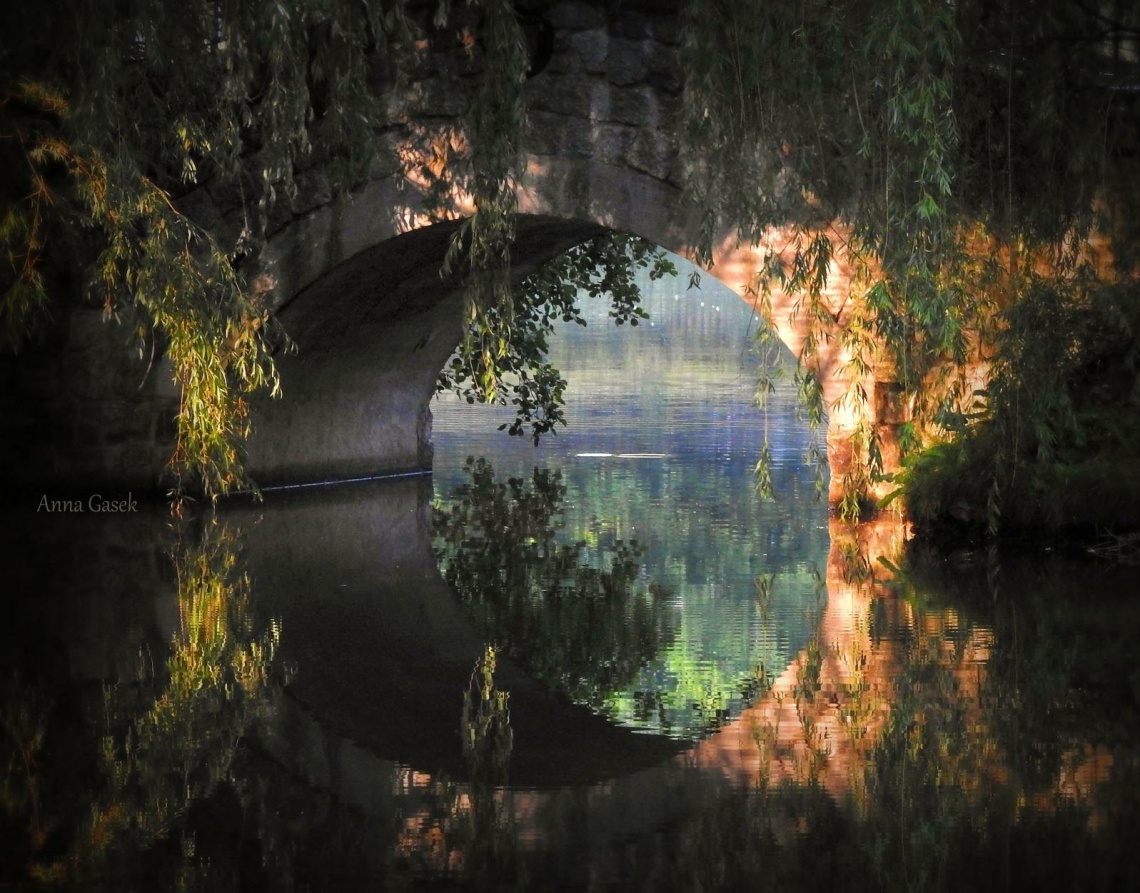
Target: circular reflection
{"points": [[629, 561]]}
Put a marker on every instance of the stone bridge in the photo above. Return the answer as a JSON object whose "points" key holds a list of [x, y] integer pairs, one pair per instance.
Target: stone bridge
{"points": [[355, 277]]}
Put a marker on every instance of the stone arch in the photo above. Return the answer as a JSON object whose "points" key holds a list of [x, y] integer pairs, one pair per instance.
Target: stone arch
{"points": [[358, 281]]}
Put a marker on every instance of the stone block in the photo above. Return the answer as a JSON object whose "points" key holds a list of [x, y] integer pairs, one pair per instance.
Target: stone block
{"points": [[575, 16], [631, 25], [636, 105], [227, 196], [561, 96], [663, 69], [85, 381], [89, 430], [593, 48], [87, 330], [437, 98], [386, 160], [201, 208], [135, 464], [655, 154], [551, 134], [160, 383], [891, 405], [626, 64], [565, 60], [660, 7], [128, 422], [166, 426], [612, 143], [889, 446], [280, 216], [313, 191], [135, 371], [664, 28], [381, 74]]}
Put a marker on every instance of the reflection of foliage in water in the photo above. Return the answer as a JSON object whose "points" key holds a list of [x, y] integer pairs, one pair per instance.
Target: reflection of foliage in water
{"points": [[486, 722], [168, 739], [999, 766], [989, 766], [998, 753], [582, 628], [982, 769], [487, 839], [182, 747], [1066, 678], [1006, 759]]}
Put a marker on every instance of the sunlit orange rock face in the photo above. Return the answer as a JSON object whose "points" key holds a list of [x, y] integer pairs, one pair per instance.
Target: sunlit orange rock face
{"points": [[739, 266]]}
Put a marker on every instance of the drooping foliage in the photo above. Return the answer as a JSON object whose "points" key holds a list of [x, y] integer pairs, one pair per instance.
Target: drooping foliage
{"points": [[1054, 447], [111, 113], [604, 267], [482, 247], [112, 118], [943, 151]]}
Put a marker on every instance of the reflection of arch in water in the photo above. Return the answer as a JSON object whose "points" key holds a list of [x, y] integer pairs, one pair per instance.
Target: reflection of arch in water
{"points": [[624, 802], [845, 704], [383, 650], [383, 653], [377, 550]]}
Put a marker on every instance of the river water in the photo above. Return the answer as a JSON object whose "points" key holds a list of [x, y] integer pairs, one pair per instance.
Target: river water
{"points": [[601, 663]]}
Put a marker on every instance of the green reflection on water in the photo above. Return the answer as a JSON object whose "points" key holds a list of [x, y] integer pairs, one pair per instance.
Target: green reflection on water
{"points": [[677, 654]]}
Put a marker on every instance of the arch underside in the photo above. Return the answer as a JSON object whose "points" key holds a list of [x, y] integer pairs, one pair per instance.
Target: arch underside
{"points": [[371, 338]]}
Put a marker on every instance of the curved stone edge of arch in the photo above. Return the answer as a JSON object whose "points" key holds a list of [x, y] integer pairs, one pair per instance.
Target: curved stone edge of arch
{"points": [[585, 192], [575, 196], [578, 190]]}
